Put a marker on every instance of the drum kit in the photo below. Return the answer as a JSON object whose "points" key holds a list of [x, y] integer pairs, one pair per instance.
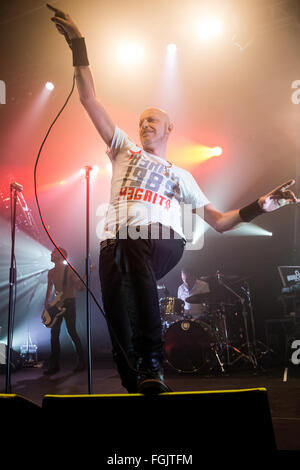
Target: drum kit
{"points": [[216, 339]]}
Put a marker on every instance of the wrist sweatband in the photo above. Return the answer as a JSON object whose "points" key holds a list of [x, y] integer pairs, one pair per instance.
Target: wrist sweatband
{"points": [[251, 211], [79, 52]]}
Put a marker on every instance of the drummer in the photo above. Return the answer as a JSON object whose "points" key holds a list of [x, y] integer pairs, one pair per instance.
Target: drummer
{"points": [[191, 286]]}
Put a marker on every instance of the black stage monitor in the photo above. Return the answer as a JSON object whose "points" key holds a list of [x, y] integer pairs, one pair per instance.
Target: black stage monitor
{"points": [[289, 275]]}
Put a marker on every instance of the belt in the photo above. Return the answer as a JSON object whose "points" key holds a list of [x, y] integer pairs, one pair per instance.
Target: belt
{"points": [[112, 241], [108, 242]]}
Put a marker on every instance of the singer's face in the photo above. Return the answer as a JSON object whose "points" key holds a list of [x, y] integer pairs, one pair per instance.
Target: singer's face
{"points": [[153, 126]]}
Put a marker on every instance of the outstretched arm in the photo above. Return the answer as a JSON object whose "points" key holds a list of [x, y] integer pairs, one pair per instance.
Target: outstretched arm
{"points": [[84, 80], [221, 221], [278, 197]]}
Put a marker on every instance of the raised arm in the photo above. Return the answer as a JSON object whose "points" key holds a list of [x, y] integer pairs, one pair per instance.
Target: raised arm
{"points": [[84, 78], [224, 221]]}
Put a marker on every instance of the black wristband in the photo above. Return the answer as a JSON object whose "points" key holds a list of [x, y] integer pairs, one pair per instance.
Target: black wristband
{"points": [[79, 52], [251, 211]]}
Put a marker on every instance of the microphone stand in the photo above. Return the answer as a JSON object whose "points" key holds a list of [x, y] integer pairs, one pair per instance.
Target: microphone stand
{"points": [[251, 357], [12, 281], [88, 169]]}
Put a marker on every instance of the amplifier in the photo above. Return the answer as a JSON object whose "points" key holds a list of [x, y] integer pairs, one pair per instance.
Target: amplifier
{"points": [[280, 334], [16, 359]]}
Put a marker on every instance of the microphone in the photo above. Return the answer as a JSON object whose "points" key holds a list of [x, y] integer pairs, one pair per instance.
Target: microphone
{"points": [[61, 29], [60, 14], [16, 186]]}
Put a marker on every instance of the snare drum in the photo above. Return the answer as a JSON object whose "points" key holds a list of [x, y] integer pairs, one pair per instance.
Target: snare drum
{"points": [[171, 309]]}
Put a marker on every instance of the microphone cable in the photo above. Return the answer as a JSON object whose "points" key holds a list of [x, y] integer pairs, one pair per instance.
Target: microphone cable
{"points": [[51, 239]]}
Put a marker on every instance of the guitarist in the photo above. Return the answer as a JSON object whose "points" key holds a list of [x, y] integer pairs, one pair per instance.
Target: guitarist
{"points": [[62, 279]]}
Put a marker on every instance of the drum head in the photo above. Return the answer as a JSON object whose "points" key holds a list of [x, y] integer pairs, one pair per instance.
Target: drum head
{"points": [[188, 345]]}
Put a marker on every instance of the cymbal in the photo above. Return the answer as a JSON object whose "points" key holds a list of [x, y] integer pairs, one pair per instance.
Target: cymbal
{"points": [[220, 307], [242, 279], [222, 276], [208, 297], [198, 298]]}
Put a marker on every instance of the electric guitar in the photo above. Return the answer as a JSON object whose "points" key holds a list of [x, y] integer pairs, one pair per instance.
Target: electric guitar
{"points": [[56, 308]]}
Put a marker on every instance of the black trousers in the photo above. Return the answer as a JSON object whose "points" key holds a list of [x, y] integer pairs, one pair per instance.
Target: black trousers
{"points": [[70, 319], [129, 270]]}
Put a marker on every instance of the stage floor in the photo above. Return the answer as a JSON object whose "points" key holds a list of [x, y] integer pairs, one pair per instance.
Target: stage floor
{"points": [[284, 396]]}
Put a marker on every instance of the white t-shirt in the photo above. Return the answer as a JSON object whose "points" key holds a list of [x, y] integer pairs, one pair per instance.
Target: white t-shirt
{"points": [[147, 189], [200, 287]]}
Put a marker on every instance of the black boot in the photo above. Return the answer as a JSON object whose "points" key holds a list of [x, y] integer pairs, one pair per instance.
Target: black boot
{"points": [[127, 370], [52, 369], [151, 377], [80, 365]]}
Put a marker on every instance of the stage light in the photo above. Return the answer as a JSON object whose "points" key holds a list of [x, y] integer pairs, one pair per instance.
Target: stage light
{"points": [[108, 167], [33, 263], [216, 151], [49, 86], [209, 28], [93, 171], [172, 48], [130, 53], [169, 90], [248, 230], [194, 154]]}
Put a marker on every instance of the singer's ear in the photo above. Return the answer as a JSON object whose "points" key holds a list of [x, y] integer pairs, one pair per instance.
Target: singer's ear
{"points": [[170, 127]]}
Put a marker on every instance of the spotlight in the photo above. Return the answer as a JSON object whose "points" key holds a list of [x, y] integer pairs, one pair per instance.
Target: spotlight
{"points": [[172, 48], [49, 86], [108, 167], [248, 230], [216, 151], [130, 53], [209, 28], [195, 154], [93, 171]]}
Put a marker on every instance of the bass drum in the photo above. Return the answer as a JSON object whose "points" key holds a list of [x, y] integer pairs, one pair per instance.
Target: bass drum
{"points": [[189, 346]]}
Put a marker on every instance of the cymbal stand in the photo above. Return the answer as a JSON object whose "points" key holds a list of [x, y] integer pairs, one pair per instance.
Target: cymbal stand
{"points": [[226, 333], [250, 356], [221, 364], [247, 292], [259, 348]]}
